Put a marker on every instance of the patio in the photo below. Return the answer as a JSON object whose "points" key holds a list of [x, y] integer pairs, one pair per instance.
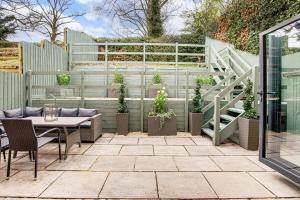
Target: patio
{"points": [[139, 166]]}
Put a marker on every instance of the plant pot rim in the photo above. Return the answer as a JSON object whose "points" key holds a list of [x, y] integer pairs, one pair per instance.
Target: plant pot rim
{"points": [[249, 119]]}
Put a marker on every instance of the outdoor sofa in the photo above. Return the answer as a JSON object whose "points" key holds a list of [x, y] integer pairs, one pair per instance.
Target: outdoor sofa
{"points": [[90, 130]]}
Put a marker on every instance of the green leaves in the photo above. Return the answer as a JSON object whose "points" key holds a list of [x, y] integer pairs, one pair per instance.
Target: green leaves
{"points": [[63, 79], [157, 79], [197, 100], [250, 112], [122, 108], [119, 79]]}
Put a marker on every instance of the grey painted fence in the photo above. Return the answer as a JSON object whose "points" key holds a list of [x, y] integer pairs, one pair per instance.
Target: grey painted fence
{"points": [[11, 90]]}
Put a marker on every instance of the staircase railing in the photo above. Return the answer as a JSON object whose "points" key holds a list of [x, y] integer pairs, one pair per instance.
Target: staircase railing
{"points": [[217, 106]]}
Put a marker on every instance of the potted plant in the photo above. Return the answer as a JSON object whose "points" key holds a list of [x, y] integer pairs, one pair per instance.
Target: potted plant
{"points": [[113, 91], [195, 116], [161, 121], [155, 86], [122, 115], [248, 122], [63, 79]]}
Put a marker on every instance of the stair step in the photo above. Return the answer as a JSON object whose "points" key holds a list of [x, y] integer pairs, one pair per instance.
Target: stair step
{"points": [[227, 117], [222, 125], [209, 132], [236, 110]]}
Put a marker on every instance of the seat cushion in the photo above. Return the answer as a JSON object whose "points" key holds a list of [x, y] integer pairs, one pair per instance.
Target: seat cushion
{"points": [[83, 112], [14, 113], [33, 112], [86, 124], [69, 112], [2, 115], [4, 142], [2, 130]]}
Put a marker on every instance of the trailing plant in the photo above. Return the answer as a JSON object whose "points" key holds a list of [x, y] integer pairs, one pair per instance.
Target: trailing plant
{"points": [[156, 79], [122, 108], [197, 100], [208, 80], [63, 79], [119, 79], [160, 107], [250, 112]]}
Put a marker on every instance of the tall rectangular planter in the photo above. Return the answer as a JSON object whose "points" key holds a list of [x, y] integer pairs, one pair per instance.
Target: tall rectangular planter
{"points": [[195, 123], [122, 123], [168, 128], [248, 133]]}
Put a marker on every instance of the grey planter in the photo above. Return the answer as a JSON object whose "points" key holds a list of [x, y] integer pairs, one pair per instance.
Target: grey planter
{"points": [[168, 128], [248, 133], [195, 123], [122, 123], [152, 91]]}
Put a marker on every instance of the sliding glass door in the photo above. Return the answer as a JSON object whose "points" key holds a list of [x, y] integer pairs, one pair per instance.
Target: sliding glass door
{"points": [[280, 98]]}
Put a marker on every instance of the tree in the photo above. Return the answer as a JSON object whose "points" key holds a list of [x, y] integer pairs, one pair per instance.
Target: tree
{"points": [[48, 18], [203, 21], [7, 26], [142, 17]]}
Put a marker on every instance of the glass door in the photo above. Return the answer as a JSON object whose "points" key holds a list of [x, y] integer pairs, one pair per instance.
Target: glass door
{"points": [[280, 107]]}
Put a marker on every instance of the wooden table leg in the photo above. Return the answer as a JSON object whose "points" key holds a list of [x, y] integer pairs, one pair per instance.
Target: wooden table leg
{"points": [[71, 138]]}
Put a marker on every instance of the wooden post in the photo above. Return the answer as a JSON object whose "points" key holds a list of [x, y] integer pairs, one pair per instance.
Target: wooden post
{"points": [[20, 56], [82, 88], [176, 74], [106, 66], [70, 56], [216, 138], [142, 102], [255, 79], [186, 107], [29, 89], [144, 63]]}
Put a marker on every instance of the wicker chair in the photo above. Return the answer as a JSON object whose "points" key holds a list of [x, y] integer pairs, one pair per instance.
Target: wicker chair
{"points": [[4, 145], [22, 137]]}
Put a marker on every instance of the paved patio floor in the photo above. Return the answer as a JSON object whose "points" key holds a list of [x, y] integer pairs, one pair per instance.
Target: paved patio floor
{"points": [[138, 166]]}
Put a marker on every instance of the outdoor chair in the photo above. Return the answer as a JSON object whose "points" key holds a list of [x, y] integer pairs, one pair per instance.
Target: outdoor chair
{"points": [[22, 137], [4, 144]]}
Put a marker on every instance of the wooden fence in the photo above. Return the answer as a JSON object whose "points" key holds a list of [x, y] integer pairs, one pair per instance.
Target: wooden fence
{"points": [[11, 90]]}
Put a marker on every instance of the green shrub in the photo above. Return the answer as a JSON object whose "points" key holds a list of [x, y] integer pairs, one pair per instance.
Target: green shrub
{"points": [[250, 112], [119, 79], [197, 100], [209, 80], [63, 79], [157, 79], [122, 108]]}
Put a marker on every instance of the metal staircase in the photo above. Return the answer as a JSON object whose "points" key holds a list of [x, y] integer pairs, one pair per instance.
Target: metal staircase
{"points": [[224, 123]]}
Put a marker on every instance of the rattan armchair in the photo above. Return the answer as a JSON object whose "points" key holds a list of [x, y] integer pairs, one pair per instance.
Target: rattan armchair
{"points": [[22, 137]]}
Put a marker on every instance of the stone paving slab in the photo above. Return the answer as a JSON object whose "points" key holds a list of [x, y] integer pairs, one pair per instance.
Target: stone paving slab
{"points": [[114, 163], [124, 140], [155, 163], [235, 150], [179, 141], [152, 140], [76, 185], [170, 151], [235, 163], [195, 163], [103, 150], [236, 185], [73, 162], [203, 150], [23, 184], [184, 185], [130, 185], [103, 140], [137, 150], [202, 140], [277, 184], [25, 163]]}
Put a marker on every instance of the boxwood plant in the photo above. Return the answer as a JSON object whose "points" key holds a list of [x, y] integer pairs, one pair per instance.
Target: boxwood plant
{"points": [[63, 79]]}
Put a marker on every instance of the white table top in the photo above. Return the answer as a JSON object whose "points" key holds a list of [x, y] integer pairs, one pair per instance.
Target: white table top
{"points": [[61, 122]]}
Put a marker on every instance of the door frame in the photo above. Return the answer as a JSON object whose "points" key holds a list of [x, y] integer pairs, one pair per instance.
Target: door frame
{"points": [[263, 105]]}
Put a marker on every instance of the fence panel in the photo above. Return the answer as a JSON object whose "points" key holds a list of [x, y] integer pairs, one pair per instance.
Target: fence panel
{"points": [[11, 90]]}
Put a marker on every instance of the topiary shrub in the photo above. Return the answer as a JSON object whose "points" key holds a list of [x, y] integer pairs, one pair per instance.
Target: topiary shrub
{"points": [[197, 100], [250, 112], [122, 108], [119, 79], [156, 79]]}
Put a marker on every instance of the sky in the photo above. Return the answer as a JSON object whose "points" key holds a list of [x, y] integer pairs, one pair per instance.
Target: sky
{"points": [[102, 26]]}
